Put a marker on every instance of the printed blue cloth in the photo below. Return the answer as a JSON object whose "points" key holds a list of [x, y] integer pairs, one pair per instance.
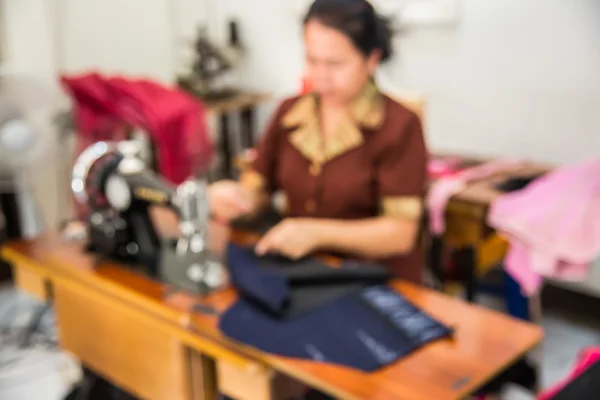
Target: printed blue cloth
{"points": [[366, 328]]}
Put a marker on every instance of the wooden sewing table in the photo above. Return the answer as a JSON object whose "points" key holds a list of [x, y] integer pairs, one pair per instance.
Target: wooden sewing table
{"points": [[143, 337], [467, 230]]}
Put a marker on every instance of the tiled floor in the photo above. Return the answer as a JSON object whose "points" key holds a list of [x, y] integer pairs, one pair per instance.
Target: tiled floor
{"points": [[571, 322]]}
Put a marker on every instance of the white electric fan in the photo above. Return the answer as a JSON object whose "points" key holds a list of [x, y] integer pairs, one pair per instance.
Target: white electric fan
{"points": [[28, 146]]}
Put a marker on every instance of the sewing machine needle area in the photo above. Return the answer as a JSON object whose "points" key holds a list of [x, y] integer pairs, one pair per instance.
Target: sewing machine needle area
{"points": [[117, 190]]}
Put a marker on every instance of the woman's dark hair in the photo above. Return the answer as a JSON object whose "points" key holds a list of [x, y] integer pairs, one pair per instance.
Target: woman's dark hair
{"points": [[358, 20]]}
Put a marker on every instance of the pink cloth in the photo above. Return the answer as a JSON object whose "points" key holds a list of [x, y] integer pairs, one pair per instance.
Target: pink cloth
{"points": [[438, 168], [444, 188], [553, 225], [585, 360]]}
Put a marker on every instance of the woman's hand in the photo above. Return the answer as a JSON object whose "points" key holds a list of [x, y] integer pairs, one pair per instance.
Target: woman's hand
{"points": [[293, 238], [229, 200]]}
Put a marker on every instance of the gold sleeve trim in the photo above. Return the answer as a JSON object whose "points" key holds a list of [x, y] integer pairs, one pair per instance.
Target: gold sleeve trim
{"points": [[253, 181], [409, 207]]}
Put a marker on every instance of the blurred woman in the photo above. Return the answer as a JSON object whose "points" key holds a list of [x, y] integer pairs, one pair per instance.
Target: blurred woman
{"points": [[350, 161]]}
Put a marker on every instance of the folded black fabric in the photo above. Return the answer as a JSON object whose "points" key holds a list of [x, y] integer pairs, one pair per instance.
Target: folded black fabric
{"points": [[266, 288], [287, 287], [348, 316], [262, 224]]}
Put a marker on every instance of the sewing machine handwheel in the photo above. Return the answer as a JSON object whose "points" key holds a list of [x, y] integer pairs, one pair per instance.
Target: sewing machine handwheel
{"points": [[90, 172]]}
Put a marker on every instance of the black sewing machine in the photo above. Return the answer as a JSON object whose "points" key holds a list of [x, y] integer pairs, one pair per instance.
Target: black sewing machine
{"points": [[118, 188]]}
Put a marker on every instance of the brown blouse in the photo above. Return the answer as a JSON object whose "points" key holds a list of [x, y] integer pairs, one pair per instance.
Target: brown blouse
{"points": [[374, 164]]}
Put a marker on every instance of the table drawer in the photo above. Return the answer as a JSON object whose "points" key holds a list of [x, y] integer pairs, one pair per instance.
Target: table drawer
{"points": [[31, 281], [258, 383], [127, 346]]}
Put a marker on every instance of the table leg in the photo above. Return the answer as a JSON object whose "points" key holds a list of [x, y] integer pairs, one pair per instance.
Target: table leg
{"points": [[225, 142], [202, 377], [247, 128], [9, 206], [436, 261], [519, 306], [5, 271], [467, 259]]}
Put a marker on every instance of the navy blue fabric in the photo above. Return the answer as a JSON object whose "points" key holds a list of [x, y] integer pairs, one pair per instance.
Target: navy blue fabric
{"points": [[365, 331], [266, 288], [353, 323]]}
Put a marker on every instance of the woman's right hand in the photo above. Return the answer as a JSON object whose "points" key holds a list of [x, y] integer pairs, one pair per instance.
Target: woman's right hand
{"points": [[229, 200]]}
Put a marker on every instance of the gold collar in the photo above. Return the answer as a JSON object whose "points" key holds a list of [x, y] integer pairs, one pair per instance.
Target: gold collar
{"points": [[368, 111]]}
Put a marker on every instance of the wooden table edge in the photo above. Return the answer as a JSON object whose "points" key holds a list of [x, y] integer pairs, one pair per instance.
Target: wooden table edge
{"points": [[223, 348], [197, 340]]}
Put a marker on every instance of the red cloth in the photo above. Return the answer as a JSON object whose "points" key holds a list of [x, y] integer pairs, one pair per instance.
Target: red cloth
{"points": [[176, 123], [585, 360]]}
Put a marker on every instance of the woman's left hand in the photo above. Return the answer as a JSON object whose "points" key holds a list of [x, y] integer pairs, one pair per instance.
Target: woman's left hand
{"points": [[293, 238]]}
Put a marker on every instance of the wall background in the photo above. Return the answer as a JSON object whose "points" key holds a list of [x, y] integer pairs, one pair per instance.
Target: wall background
{"points": [[516, 77]]}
